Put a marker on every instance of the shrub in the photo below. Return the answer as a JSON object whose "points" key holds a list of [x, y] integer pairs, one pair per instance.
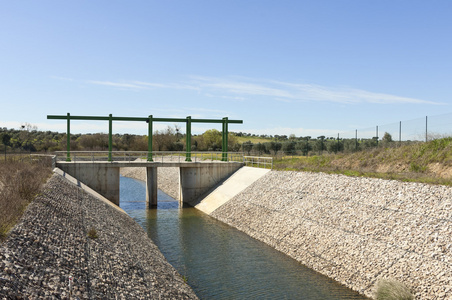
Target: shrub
{"points": [[92, 233], [390, 289]]}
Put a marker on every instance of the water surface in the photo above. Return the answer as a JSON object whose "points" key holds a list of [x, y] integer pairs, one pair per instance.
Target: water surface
{"points": [[220, 262]]}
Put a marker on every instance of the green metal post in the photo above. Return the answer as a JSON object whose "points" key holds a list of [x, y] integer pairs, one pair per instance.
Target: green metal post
{"points": [[150, 138], [225, 140], [68, 142], [188, 139], [110, 136]]}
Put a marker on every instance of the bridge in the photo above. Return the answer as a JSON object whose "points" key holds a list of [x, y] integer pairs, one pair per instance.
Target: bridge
{"points": [[195, 178], [101, 171]]}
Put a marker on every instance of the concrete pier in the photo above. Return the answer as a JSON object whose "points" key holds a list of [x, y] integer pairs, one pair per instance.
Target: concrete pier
{"points": [[151, 187]]}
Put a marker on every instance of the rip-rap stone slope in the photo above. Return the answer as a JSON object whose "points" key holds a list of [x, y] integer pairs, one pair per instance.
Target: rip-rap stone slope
{"points": [[352, 229], [49, 254]]}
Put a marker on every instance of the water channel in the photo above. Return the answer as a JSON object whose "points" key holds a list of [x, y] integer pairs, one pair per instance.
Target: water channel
{"points": [[220, 262]]}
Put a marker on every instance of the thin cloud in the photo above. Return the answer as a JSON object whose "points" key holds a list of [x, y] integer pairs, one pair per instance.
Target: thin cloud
{"points": [[176, 86], [288, 92], [240, 88], [117, 84]]}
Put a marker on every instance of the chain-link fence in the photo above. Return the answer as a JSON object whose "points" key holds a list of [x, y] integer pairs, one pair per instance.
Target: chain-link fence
{"points": [[420, 129], [390, 135]]}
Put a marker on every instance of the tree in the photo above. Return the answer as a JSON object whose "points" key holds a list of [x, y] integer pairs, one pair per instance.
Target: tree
{"points": [[335, 146], [387, 138], [247, 146], [259, 148], [5, 138], [275, 147], [164, 140], [320, 144], [288, 147], [212, 140], [304, 146]]}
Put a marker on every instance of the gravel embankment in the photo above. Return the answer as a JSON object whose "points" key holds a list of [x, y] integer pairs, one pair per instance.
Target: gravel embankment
{"points": [[354, 230], [50, 245]]}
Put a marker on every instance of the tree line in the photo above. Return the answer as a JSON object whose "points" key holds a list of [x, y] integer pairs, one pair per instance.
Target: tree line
{"points": [[29, 139], [307, 145]]}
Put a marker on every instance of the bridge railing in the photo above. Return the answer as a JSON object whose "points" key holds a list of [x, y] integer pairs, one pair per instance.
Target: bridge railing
{"points": [[157, 156], [258, 161]]}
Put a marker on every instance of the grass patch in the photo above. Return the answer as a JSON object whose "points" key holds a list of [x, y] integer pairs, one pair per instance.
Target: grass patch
{"points": [[92, 233], [20, 182], [390, 289]]}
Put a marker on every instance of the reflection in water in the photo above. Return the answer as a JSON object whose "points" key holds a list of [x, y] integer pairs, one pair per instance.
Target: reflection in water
{"points": [[219, 261]]}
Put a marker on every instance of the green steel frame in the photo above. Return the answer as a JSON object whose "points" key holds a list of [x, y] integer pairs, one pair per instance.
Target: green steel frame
{"points": [[150, 120]]}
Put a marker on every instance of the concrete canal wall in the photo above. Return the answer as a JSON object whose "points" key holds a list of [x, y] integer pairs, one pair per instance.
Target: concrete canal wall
{"points": [[354, 230], [50, 253]]}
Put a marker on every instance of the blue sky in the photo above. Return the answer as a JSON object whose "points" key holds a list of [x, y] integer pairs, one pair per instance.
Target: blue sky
{"points": [[283, 67]]}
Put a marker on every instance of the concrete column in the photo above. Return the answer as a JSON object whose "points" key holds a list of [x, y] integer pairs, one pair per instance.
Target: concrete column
{"points": [[151, 187]]}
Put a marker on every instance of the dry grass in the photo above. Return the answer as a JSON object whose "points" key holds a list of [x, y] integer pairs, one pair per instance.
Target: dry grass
{"points": [[390, 289], [421, 162], [20, 182]]}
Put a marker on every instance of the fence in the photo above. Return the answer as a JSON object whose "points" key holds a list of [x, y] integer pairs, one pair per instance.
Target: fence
{"points": [[157, 156], [421, 129], [258, 161], [164, 156], [390, 135]]}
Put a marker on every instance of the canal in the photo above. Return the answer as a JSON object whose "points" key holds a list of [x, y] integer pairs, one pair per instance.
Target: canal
{"points": [[220, 262]]}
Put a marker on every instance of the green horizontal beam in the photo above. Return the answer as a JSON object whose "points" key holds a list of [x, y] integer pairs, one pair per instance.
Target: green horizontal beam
{"points": [[139, 119]]}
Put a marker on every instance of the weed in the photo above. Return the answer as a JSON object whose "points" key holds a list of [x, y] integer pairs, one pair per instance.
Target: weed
{"points": [[414, 167], [92, 233], [390, 289]]}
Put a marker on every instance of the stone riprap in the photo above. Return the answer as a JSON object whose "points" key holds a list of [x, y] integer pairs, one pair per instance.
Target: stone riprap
{"points": [[354, 230], [53, 252]]}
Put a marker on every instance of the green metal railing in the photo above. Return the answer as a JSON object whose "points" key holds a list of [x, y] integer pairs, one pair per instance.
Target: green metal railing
{"points": [[150, 120]]}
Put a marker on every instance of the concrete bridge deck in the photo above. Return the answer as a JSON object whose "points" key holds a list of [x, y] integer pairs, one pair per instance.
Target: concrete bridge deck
{"points": [[146, 164]]}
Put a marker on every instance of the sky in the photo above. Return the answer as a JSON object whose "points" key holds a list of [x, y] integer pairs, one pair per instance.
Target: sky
{"points": [[283, 67]]}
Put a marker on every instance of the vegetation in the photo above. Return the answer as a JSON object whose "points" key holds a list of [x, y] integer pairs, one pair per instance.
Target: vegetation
{"points": [[21, 179], [389, 289], [29, 139], [92, 233], [429, 162]]}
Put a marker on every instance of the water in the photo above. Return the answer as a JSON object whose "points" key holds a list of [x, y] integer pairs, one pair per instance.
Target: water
{"points": [[220, 262]]}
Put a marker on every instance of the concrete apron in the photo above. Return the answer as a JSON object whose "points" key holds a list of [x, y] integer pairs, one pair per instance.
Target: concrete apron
{"points": [[235, 184]]}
